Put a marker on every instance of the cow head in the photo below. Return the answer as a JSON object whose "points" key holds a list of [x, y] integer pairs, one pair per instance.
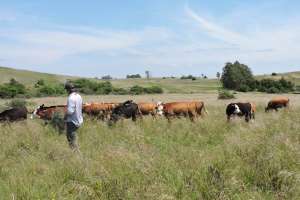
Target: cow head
{"points": [[159, 108], [37, 111], [233, 109], [236, 109]]}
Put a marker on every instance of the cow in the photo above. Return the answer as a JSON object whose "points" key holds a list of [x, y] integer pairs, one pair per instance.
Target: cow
{"points": [[101, 110], [14, 114], [190, 109], [148, 108], [126, 110], [276, 103], [47, 113], [241, 109]]}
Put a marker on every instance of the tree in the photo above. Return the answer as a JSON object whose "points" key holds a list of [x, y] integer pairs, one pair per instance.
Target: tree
{"points": [[107, 77], [218, 75], [236, 76], [147, 74]]}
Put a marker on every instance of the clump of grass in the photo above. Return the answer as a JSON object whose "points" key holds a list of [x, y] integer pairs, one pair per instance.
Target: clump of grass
{"points": [[225, 94]]}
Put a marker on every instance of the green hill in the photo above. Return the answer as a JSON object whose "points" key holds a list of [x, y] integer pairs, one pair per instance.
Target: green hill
{"points": [[29, 77], [291, 76], [169, 85]]}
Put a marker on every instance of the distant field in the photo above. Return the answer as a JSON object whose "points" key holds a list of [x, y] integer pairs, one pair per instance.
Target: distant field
{"points": [[169, 85], [154, 159]]}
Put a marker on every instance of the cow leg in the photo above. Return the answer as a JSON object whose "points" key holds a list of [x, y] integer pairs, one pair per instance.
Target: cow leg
{"points": [[247, 116], [153, 115], [191, 116], [228, 118], [133, 117]]}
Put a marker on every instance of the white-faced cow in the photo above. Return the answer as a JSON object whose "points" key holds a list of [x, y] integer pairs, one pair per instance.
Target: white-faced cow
{"points": [[241, 109], [47, 113]]}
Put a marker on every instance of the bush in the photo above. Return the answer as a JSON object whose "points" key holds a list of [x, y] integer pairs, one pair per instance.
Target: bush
{"points": [[39, 83], [225, 94], [107, 77], [188, 77], [274, 86], [12, 89], [148, 90], [51, 90], [17, 103], [134, 76], [136, 90], [87, 86], [244, 88], [274, 74], [154, 90], [273, 90]]}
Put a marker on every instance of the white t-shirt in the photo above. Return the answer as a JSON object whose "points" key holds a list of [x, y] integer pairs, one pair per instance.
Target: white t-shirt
{"points": [[74, 109]]}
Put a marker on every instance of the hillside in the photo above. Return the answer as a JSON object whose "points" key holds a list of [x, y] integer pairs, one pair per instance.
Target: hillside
{"points": [[29, 77], [169, 85], [291, 76]]}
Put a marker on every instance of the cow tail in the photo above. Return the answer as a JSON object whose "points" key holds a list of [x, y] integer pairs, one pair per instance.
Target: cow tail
{"points": [[204, 109]]}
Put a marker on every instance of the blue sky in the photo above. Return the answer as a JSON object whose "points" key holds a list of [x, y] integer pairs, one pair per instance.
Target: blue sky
{"points": [[168, 37]]}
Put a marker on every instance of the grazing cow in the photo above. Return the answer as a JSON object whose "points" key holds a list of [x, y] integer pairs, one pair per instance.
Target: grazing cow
{"points": [[14, 114], [191, 109], [47, 113], [148, 108], [241, 109], [276, 103], [102, 110], [127, 110]]}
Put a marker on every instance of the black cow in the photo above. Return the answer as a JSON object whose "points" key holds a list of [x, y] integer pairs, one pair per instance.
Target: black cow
{"points": [[14, 114], [126, 110], [240, 109]]}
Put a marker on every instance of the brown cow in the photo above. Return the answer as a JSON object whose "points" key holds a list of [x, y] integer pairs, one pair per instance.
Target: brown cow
{"points": [[277, 102], [147, 108], [190, 109], [101, 110], [47, 113]]}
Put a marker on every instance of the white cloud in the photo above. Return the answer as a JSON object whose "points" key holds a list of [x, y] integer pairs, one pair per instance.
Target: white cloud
{"points": [[215, 30]]}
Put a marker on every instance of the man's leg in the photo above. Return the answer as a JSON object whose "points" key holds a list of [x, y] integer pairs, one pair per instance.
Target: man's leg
{"points": [[71, 135]]}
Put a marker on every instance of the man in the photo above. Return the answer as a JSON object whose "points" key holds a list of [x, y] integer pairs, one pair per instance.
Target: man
{"points": [[73, 116]]}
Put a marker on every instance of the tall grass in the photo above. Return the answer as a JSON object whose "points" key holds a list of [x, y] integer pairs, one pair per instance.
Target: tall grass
{"points": [[154, 159]]}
